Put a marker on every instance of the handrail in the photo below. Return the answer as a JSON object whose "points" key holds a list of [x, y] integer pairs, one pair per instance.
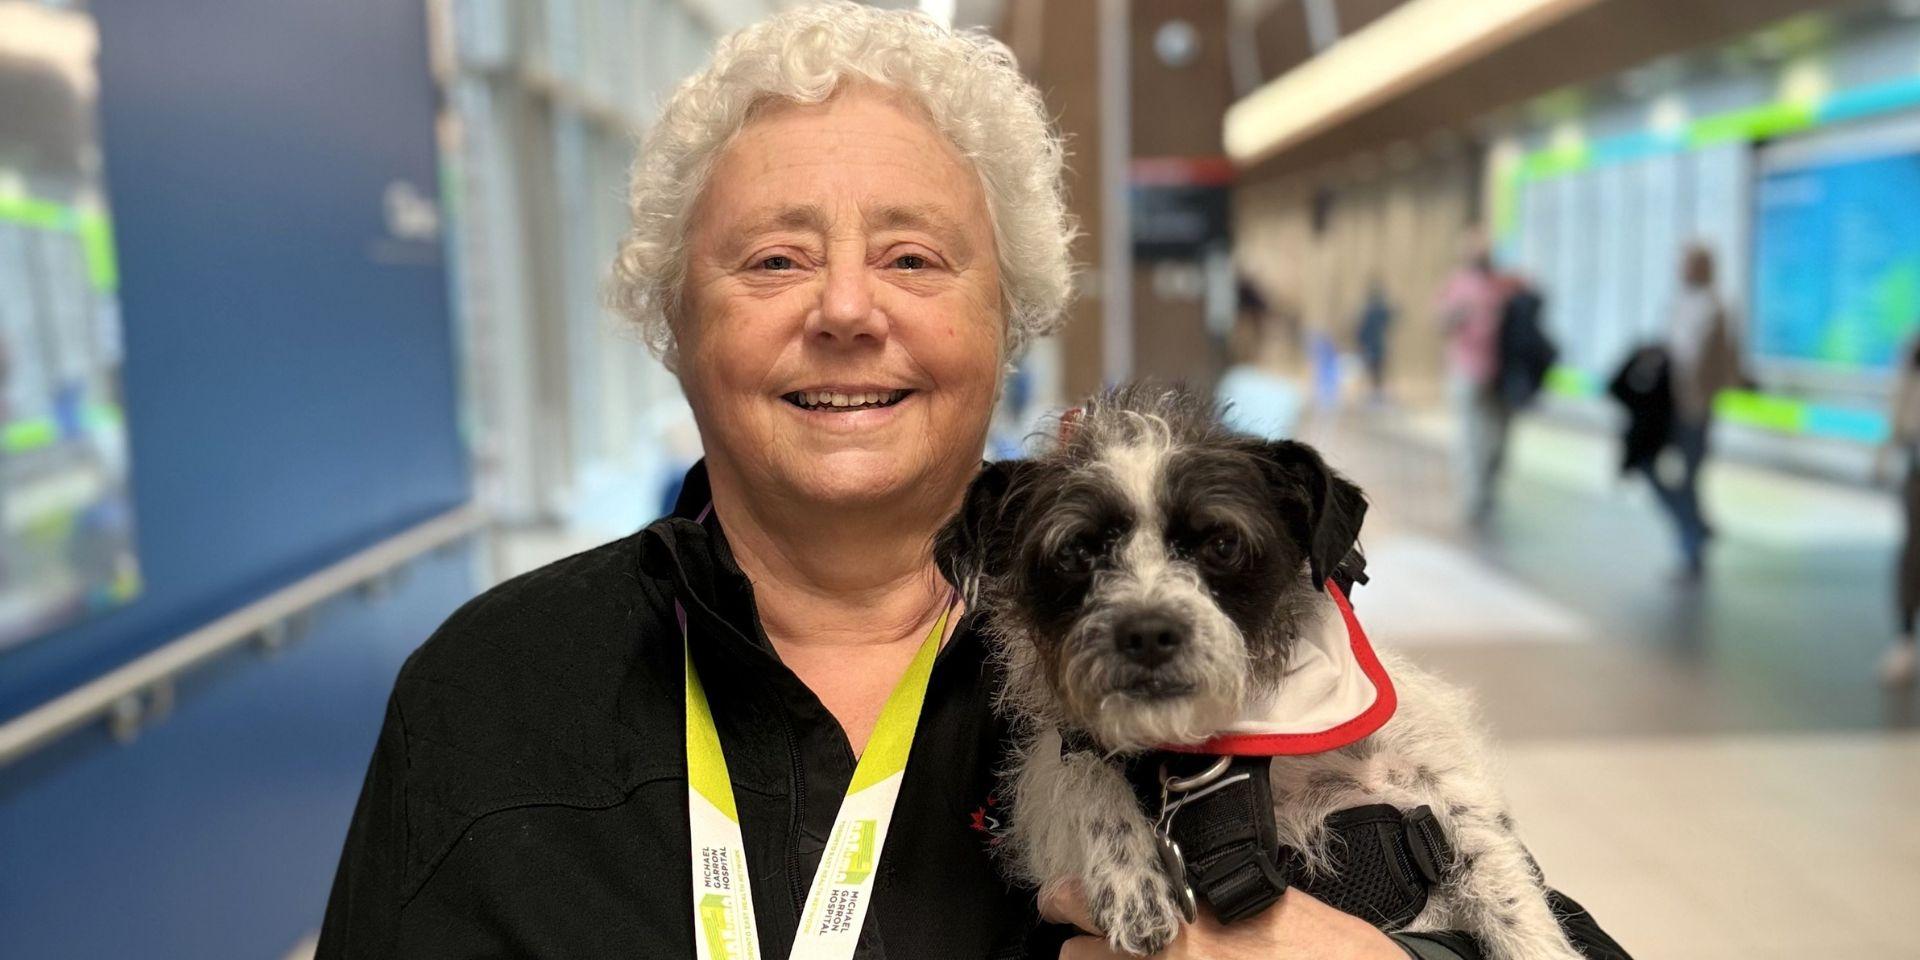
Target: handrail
{"points": [[109, 694]]}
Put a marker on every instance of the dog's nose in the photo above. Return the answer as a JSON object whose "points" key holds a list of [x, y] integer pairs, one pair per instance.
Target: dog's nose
{"points": [[1150, 639]]}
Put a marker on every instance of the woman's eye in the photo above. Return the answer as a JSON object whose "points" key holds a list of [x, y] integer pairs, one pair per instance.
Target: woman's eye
{"points": [[910, 261], [778, 261]]}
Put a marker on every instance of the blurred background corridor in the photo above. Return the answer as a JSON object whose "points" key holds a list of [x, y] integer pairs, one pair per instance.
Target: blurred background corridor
{"points": [[302, 345]]}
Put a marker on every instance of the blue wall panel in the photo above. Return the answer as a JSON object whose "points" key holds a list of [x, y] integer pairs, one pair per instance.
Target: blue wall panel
{"points": [[290, 388], [290, 367]]}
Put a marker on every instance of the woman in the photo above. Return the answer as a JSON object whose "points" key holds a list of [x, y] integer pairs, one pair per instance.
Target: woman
{"points": [[1897, 666], [843, 229]]}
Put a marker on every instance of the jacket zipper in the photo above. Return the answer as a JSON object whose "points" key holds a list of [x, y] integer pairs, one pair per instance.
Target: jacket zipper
{"points": [[797, 814]]}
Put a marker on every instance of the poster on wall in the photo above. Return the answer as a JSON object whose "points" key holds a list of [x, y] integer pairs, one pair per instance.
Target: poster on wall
{"points": [[1836, 261], [1178, 206], [66, 519]]}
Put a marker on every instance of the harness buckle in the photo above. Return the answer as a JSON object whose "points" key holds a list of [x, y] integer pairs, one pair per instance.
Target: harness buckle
{"points": [[1176, 792]]}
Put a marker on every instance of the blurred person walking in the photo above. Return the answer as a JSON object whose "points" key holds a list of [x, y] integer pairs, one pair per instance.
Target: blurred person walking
{"points": [[1703, 356], [1259, 397], [1469, 311], [1376, 318], [1898, 666]]}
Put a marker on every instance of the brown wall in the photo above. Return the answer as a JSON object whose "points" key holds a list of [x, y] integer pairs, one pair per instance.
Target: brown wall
{"points": [[1407, 224], [1177, 112], [1057, 47]]}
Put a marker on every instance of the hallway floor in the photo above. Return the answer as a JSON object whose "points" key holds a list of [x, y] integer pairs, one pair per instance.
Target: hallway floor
{"points": [[1713, 768]]}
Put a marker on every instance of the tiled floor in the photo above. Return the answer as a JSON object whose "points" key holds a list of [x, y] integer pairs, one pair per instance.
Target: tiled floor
{"points": [[1712, 770], [1786, 846]]}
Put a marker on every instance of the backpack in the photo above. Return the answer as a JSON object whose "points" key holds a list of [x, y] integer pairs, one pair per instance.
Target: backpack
{"points": [[1523, 353]]}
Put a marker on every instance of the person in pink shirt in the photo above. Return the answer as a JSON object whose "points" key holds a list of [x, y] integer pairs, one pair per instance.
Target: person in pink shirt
{"points": [[1469, 312]]}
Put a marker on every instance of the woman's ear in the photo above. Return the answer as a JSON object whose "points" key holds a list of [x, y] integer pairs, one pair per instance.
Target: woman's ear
{"points": [[977, 540], [1335, 507]]}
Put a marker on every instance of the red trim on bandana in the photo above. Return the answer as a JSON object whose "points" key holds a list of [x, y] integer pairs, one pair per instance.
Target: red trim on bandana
{"points": [[1301, 744]]}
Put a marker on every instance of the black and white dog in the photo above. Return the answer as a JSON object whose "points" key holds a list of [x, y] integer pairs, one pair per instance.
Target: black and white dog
{"points": [[1145, 579]]}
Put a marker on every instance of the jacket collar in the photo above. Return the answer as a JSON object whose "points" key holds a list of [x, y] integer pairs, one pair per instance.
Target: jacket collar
{"points": [[696, 491], [694, 556]]}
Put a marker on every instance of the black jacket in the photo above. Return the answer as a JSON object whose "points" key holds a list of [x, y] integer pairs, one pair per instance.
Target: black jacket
{"points": [[1524, 352], [527, 797], [1644, 386]]}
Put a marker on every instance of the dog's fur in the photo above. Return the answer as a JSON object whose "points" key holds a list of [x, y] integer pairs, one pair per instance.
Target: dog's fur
{"points": [[1142, 578]]}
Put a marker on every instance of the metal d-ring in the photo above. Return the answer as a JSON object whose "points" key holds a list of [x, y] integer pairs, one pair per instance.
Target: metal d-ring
{"points": [[1186, 784]]}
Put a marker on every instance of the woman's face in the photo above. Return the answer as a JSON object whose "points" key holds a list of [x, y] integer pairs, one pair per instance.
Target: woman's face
{"points": [[840, 339]]}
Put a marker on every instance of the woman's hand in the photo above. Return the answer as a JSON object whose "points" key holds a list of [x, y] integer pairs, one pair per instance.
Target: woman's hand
{"points": [[1298, 927]]}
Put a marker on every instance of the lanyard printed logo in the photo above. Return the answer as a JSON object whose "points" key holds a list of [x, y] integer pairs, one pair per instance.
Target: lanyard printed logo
{"points": [[842, 887]]}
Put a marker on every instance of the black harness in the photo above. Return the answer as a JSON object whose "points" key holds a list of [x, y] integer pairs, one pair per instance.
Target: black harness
{"points": [[1214, 824]]}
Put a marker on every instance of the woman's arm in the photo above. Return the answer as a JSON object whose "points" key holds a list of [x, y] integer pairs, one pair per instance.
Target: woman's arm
{"points": [[1449, 945], [1587, 937], [1297, 927], [363, 912]]}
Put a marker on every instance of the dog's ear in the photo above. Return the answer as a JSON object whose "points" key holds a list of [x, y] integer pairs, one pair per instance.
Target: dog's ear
{"points": [[1335, 507], [976, 541]]}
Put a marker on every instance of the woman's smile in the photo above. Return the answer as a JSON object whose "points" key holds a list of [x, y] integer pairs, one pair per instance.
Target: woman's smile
{"points": [[841, 412], [844, 399]]}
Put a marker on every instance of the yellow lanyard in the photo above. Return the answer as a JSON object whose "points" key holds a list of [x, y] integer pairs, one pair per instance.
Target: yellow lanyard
{"points": [[842, 887]]}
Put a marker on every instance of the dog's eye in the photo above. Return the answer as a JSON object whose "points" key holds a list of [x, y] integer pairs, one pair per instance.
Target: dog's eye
{"points": [[1223, 549], [1079, 556]]}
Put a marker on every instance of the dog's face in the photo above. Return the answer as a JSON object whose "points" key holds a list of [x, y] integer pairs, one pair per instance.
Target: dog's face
{"points": [[1149, 575]]}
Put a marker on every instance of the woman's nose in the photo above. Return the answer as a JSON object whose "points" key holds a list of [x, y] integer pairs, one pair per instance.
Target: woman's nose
{"points": [[847, 310]]}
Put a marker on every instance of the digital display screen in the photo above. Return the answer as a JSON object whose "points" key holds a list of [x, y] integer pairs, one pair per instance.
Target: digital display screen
{"points": [[1836, 279], [1605, 242], [66, 519]]}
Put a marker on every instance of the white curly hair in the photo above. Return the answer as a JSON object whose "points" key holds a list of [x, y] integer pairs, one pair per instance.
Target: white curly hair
{"points": [[972, 92]]}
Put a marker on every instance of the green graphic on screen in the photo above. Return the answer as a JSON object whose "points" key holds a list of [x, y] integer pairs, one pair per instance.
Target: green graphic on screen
{"points": [[66, 516]]}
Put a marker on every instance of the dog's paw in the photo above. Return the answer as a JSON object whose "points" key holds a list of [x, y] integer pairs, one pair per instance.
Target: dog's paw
{"points": [[1139, 913]]}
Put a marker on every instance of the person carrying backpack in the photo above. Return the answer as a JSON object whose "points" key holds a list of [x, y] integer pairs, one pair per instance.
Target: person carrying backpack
{"points": [[1703, 357]]}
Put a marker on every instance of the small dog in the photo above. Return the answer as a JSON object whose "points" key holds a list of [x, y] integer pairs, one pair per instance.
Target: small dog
{"points": [[1144, 579]]}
